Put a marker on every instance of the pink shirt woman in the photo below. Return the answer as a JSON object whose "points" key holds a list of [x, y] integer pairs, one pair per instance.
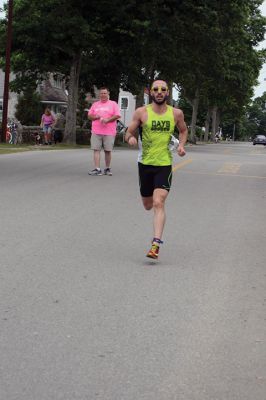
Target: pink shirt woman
{"points": [[47, 121]]}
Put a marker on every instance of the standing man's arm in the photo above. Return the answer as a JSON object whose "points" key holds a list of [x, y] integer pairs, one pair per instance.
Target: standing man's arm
{"points": [[92, 116], [111, 119], [116, 114], [130, 136], [183, 133]]}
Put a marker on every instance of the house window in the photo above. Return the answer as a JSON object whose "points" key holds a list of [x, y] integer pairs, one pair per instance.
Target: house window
{"points": [[58, 82], [124, 103]]}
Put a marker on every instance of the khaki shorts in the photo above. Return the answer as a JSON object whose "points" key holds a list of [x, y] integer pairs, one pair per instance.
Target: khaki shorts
{"points": [[105, 141]]}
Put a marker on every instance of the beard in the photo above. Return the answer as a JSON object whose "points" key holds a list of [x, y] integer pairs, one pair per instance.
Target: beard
{"points": [[159, 101]]}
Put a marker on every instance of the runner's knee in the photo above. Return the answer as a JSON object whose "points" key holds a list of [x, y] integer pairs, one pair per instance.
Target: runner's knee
{"points": [[158, 202], [147, 203]]}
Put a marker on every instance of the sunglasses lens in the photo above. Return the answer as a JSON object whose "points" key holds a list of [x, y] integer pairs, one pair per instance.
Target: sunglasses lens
{"points": [[156, 89]]}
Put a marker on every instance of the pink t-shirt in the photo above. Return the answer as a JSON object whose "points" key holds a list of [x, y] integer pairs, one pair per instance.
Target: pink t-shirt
{"points": [[105, 109], [47, 119]]}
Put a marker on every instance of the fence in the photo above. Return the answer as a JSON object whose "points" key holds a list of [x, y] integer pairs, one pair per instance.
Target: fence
{"points": [[34, 135]]}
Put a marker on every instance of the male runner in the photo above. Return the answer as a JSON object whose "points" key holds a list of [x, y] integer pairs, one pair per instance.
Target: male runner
{"points": [[157, 123]]}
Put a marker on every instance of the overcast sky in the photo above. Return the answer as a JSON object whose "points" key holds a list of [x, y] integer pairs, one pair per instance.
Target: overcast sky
{"points": [[262, 77]]}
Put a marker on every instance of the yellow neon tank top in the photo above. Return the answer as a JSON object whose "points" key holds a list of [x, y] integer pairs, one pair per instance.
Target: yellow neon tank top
{"points": [[155, 136]]}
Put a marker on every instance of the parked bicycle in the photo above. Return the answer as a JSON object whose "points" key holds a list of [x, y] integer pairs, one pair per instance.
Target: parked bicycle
{"points": [[11, 133]]}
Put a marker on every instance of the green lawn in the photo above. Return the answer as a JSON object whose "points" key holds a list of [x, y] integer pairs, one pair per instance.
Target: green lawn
{"points": [[18, 148]]}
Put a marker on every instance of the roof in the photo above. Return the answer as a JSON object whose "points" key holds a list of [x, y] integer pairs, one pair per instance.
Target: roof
{"points": [[51, 93]]}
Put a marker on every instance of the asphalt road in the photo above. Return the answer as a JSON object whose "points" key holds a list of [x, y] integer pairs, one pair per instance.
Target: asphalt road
{"points": [[84, 315]]}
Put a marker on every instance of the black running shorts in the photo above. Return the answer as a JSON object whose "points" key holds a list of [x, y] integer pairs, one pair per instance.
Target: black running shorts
{"points": [[154, 177]]}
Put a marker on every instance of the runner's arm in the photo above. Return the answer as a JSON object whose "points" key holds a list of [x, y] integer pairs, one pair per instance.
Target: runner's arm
{"points": [[183, 132], [131, 134]]}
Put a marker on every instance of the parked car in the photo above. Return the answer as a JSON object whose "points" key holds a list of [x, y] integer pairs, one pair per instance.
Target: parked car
{"points": [[259, 139]]}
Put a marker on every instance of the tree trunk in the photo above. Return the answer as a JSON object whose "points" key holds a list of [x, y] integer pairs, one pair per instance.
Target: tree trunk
{"points": [[114, 93], [195, 106], [72, 102], [207, 125], [150, 77], [214, 116], [218, 120], [170, 98], [140, 98]]}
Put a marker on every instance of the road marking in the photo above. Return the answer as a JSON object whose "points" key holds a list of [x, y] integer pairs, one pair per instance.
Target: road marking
{"points": [[227, 151], [231, 175], [257, 152], [182, 164], [229, 168]]}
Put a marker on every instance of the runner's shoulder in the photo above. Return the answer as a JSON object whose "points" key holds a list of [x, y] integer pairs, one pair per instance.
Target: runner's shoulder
{"points": [[141, 109], [140, 112], [178, 113]]}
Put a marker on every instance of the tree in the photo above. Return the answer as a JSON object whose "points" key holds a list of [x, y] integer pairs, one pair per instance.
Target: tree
{"points": [[206, 47], [47, 37], [254, 120], [29, 108], [219, 65]]}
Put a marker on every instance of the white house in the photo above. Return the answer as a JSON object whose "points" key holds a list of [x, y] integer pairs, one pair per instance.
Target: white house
{"points": [[127, 105], [12, 100], [52, 92], [54, 95]]}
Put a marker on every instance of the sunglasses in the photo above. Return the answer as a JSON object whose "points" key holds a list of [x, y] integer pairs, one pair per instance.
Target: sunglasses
{"points": [[162, 89]]}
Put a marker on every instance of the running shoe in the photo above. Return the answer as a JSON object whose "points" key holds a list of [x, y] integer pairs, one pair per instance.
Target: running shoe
{"points": [[154, 251], [107, 171], [95, 171]]}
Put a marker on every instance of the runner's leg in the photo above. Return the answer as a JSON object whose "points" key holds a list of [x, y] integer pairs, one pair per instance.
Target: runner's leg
{"points": [[159, 197], [147, 202]]}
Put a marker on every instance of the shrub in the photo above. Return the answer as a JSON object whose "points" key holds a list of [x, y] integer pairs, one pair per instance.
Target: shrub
{"points": [[29, 108]]}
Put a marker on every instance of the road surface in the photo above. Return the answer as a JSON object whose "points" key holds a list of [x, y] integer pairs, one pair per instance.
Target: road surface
{"points": [[85, 315]]}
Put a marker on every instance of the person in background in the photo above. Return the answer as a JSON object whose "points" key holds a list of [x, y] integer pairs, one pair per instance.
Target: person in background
{"points": [[47, 122], [103, 114], [59, 126]]}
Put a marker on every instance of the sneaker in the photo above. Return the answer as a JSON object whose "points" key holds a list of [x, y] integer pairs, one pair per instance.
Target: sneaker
{"points": [[107, 171], [95, 171], [154, 251]]}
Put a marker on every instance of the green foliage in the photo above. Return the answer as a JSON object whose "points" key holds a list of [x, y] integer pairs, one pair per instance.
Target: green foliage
{"points": [[82, 113], [253, 121], [207, 46], [29, 108]]}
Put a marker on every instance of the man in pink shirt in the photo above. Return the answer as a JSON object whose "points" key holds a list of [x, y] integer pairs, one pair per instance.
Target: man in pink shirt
{"points": [[103, 115]]}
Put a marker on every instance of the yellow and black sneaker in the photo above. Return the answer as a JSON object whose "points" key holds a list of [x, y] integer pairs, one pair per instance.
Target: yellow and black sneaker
{"points": [[154, 250]]}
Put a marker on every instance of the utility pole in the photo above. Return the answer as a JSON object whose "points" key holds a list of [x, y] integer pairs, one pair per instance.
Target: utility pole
{"points": [[7, 70]]}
